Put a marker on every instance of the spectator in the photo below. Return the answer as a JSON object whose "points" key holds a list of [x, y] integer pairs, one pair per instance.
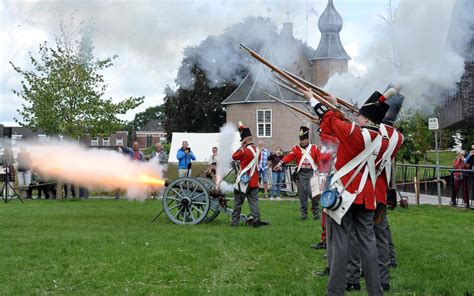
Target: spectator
{"points": [[263, 167], [160, 154], [134, 153], [212, 164], [24, 169], [278, 174], [460, 179], [185, 157]]}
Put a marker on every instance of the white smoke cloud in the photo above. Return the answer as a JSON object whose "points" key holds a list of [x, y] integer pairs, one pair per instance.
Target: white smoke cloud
{"points": [[413, 53], [225, 144]]}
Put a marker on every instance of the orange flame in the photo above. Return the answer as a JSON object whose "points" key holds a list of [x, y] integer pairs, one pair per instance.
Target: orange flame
{"points": [[150, 180]]}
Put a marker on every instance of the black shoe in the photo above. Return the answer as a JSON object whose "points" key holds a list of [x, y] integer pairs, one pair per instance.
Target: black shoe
{"points": [[234, 224], [362, 274], [385, 287], [352, 287], [304, 218], [316, 217], [325, 272], [319, 246], [393, 265]]}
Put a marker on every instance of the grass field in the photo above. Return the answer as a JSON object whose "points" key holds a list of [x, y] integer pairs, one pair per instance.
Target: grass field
{"points": [[92, 247]]}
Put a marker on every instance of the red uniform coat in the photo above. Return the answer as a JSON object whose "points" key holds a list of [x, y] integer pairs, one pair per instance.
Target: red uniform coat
{"points": [[245, 156], [297, 153], [351, 143], [381, 186]]}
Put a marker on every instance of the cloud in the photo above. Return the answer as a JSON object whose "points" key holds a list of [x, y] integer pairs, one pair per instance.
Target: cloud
{"points": [[149, 36]]}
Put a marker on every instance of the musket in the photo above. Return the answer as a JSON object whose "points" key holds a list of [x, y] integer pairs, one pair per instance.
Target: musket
{"points": [[290, 79], [322, 92], [294, 90], [307, 114], [288, 88]]}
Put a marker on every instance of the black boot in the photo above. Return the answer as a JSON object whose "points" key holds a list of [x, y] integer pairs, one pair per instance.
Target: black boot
{"points": [[352, 287], [325, 272], [385, 287], [319, 246]]}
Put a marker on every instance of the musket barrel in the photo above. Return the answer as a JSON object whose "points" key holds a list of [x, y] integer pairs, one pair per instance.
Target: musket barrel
{"points": [[309, 115], [290, 78], [349, 106]]}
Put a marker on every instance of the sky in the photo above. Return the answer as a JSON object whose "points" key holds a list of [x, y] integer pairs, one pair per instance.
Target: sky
{"points": [[149, 36]]}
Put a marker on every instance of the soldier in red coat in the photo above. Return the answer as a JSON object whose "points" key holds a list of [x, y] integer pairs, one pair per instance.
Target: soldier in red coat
{"points": [[384, 178], [246, 185], [306, 156], [355, 168]]}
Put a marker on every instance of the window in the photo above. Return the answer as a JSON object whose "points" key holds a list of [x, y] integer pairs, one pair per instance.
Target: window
{"points": [[149, 140], [95, 142], [106, 142], [43, 138], [119, 141], [264, 123]]}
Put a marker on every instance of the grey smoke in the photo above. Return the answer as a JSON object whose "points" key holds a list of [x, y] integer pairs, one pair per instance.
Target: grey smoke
{"points": [[425, 64]]}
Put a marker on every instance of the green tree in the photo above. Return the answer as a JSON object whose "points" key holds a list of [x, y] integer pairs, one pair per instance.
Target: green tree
{"points": [[418, 138], [151, 113], [209, 73], [63, 93]]}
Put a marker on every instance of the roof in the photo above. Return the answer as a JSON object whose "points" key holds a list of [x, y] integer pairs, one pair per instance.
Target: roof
{"points": [[153, 125], [258, 80], [330, 46]]}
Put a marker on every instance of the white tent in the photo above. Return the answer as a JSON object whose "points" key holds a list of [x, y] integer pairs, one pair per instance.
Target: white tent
{"points": [[200, 143]]}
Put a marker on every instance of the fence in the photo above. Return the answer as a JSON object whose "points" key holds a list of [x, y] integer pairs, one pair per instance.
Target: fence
{"points": [[422, 179]]}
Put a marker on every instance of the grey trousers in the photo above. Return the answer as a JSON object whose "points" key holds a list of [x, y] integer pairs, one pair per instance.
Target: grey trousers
{"points": [[391, 247], [353, 267], [304, 192], [380, 231], [362, 222], [239, 199]]}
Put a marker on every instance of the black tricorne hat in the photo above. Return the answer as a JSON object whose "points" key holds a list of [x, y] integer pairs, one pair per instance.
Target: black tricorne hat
{"points": [[375, 107], [303, 133]]}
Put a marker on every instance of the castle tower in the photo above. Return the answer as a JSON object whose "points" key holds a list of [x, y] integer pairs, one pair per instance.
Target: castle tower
{"points": [[330, 56]]}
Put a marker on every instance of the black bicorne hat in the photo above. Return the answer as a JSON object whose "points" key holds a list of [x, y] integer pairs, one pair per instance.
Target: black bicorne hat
{"points": [[303, 133], [395, 103], [375, 107], [244, 131]]}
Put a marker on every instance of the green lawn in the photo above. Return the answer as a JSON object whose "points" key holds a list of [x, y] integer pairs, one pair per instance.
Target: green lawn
{"points": [[110, 247]]}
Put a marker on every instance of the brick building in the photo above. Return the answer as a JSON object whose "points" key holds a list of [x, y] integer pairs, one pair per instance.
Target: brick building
{"points": [[119, 138], [152, 133], [268, 120], [457, 110]]}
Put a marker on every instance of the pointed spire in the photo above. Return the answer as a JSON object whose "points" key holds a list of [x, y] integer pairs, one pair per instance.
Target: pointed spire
{"points": [[330, 24]]}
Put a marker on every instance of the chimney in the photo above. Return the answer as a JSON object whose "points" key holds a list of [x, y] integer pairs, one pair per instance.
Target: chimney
{"points": [[287, 30]]}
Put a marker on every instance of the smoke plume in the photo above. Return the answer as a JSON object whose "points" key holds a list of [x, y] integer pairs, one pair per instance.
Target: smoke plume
{"points": [[94, 168], [225, 144], [413, 52]]}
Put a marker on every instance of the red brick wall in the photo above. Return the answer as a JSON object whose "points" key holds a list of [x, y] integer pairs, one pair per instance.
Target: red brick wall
{"points": [[324, 69], [285, 125]]}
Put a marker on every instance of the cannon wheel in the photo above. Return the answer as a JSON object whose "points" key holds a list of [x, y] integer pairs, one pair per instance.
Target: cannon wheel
{"points": [[214, 207], [186, 201]]}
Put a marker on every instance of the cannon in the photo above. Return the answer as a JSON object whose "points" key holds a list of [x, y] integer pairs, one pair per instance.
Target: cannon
{"points": [[195, 200]]}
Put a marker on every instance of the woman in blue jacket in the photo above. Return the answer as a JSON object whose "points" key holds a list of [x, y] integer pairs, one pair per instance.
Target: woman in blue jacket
{"points": [[185, 157]]}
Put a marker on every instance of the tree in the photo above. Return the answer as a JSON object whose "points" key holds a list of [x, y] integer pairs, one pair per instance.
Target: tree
{"points": [[64, 93], [142, 118], [209, 73], [417, 138]]}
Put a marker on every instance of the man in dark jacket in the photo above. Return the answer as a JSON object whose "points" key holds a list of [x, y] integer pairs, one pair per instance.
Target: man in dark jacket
{"points": [[134, 153]]}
